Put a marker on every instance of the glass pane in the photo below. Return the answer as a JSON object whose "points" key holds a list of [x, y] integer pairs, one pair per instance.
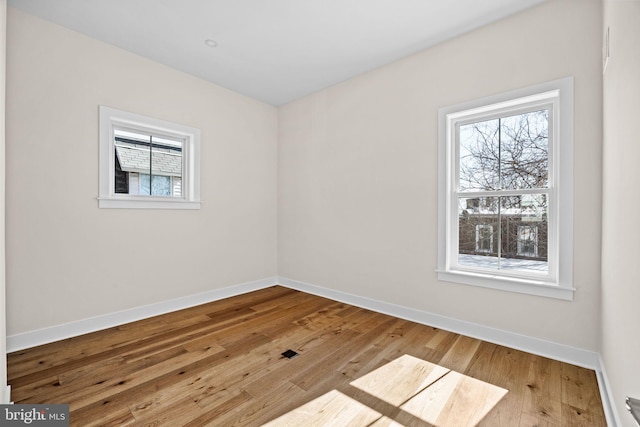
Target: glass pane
{"points": [[506, 153], [145, 188], [524, 150], [503, 233], [477, 226], [479, 156], [166, 164], [139, 156], [160, 185]]}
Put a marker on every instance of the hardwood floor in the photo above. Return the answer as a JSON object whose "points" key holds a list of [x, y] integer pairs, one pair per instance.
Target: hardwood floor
{"points": [[220, 364]]}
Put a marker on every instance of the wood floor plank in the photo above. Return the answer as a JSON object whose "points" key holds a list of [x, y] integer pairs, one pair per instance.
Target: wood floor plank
{"points": [[176, 413], [544, 392], [455, 400], [323, 371], [116, 416], [193, 369], [509, 370], [267, 405], [460, 354], [391, 345], [37, 358], [220, 364], [400, 380], [331, 409], [579, 396]]}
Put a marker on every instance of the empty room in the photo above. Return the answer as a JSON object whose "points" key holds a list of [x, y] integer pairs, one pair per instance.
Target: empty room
{"points": [[320, 213]]}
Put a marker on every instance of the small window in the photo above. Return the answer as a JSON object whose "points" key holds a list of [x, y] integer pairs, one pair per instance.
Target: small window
{"points": [[505, 191], [147, 163]]}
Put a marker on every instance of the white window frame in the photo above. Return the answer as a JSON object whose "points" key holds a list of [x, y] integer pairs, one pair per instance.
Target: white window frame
{"points": [[110, 119], [558, 283]]}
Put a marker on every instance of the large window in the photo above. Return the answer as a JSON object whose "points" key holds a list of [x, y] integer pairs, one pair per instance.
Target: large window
{"points": [[147, 163], [505, 191]]}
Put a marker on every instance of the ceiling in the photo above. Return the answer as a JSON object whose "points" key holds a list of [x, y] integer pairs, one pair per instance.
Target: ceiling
{"points": [[273, 50]]}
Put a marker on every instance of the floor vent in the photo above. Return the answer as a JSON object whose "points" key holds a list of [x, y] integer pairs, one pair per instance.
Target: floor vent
{"points": [[289, 354]]}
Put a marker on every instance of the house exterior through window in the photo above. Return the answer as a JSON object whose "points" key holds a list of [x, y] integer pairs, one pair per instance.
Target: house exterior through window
{"points": [[527, 241], [146, 165], [484, 238]]}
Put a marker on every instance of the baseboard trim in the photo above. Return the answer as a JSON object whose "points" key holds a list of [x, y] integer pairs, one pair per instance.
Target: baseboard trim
{"points": [[561, 352], [7, 396], [608, 401], [59, 332]]}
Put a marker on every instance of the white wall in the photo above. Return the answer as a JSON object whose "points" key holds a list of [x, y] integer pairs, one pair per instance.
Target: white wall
{"points": [[4, 393], [67, 260], [358, 172], [621, 270]]}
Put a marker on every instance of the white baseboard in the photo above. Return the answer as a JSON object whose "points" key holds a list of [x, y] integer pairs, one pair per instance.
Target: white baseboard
{"points": [[7, 396], [608, 401], [80, 327]]}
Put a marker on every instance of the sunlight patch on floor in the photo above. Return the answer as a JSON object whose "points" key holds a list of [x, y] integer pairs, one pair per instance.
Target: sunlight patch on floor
{"points": [[330, 409], [407, 390], [399, 380]]}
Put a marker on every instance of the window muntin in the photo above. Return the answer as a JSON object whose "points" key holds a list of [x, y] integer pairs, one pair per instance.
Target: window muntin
{"points": [[147, 163], [484, 145]]}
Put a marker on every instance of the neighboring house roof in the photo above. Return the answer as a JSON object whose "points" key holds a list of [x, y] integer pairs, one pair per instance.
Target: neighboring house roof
{"points": [[134, 159]]}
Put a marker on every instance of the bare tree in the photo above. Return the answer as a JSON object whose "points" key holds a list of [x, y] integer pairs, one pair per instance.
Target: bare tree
{"points": [[505, 153]]}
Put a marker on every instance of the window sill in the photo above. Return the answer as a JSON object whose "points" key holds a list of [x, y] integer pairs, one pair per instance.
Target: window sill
{"points": [[511, 284], [151, 203]]}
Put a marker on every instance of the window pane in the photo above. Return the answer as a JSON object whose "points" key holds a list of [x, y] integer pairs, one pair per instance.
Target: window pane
{"points": [[160, 186], [506, 153], [503, 233], [524, 150], [527, 240], [167, 163], [484, 238], [147, 155], [145, 187], [479, 156], [478, 226]]}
